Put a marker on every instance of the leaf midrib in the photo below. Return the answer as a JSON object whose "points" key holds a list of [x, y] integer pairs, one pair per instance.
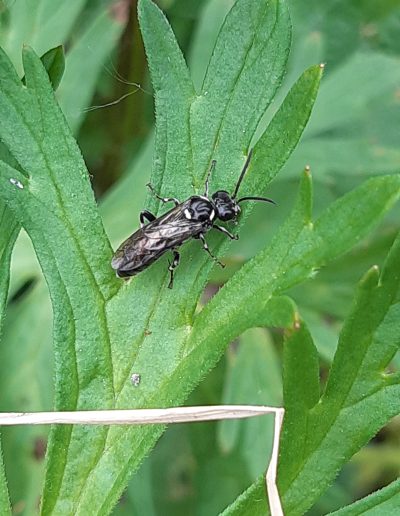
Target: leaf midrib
{"points": [[230, 100]]}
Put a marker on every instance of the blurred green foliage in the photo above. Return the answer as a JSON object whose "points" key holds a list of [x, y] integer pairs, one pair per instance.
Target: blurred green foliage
{"points": [[107, 98]]}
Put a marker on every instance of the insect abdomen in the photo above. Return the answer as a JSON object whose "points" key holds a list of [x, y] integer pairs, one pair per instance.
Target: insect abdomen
{"points": [[132, 259]]}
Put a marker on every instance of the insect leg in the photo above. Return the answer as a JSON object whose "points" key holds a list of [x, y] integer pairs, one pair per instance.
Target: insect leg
{"points": [[173, 265], [212, 167], [145, 214], [206, 248], [162, 199], [226, 232]]}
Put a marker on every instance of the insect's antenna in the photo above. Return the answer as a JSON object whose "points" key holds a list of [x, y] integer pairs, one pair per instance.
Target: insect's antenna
{"points": [[242, 174], [256, 199], [210, 171]]}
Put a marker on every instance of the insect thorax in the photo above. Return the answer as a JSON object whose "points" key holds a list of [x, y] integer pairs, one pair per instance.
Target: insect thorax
{"points": [[199, 209]]}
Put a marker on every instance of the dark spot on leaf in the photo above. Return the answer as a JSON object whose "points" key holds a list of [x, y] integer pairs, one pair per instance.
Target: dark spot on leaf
{"points": [[123, 499], [209, 292], [23, 290], [39, 448], [234, 346], [18, 507]]}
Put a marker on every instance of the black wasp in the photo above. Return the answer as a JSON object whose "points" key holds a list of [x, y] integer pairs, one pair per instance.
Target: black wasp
{"points": [[188, 219]]}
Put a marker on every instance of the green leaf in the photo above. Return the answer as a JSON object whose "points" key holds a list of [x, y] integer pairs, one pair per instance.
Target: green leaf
{"points": [[9, 229], [204, 37], [331, 293], [244, 73], [54, 62], [232, 308], [56, 195], [358, 400], [64, 226], [385, 501], [295, 254], [324, 332], [301, 390], [105, 331], [174, 92], [84, 58], [274, 148], [353, 380], [284, 131], [24, 264], [9, 226]]}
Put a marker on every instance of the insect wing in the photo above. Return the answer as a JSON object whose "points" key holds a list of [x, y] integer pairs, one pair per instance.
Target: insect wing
{"points": [[126, 257], [172, 227], [147, 244]]}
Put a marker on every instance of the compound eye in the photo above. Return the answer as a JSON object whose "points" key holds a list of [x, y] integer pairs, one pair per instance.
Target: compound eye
{"points": [[221, 196]]}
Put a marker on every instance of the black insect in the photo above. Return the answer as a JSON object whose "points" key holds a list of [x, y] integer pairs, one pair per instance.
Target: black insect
{"points": [[189, 219]]}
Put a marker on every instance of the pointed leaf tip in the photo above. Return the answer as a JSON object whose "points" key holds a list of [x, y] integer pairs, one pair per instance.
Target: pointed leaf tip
{"points": [[305, 196], [54, 62], [146, 5], [370, 278]]}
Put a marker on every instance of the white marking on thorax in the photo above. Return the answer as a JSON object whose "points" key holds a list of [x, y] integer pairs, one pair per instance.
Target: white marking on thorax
{"points": [[212, 215], [187, 214]]}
